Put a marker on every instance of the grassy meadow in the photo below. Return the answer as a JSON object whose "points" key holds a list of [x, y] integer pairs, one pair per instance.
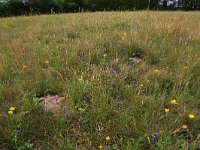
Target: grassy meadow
{"points": [[109, 100]]}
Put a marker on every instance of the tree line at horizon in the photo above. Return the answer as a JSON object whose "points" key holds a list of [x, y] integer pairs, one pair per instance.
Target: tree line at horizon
{"points": [[27, 7]]}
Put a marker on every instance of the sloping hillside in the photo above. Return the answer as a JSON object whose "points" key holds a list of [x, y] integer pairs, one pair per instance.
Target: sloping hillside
{"points": [[110, 80]]}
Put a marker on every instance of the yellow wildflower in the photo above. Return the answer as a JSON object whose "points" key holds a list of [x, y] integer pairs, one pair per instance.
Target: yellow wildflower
{"points": [[10, 112], [81, 109], [105, 55], [157, 71], [191, 116], [11, 108], [100, 147], [125, 34], [184, 126], [141, 85], [107, 138], [46, 62], [173, 102], [166, 110]]}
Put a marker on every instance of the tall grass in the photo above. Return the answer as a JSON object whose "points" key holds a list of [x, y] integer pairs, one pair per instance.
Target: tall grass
{"points": [[87, 58]]}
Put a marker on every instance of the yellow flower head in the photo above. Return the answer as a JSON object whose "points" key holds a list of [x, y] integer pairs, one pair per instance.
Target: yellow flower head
{"points": [[10, 112], [173, 102], [46, 62], [166, 110], [157, 71], [141, 85], [100, 147], [191, 116], [11, 108], [125, 34], [104, 55], [81, 109], [184, 127], [107, 138]]}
